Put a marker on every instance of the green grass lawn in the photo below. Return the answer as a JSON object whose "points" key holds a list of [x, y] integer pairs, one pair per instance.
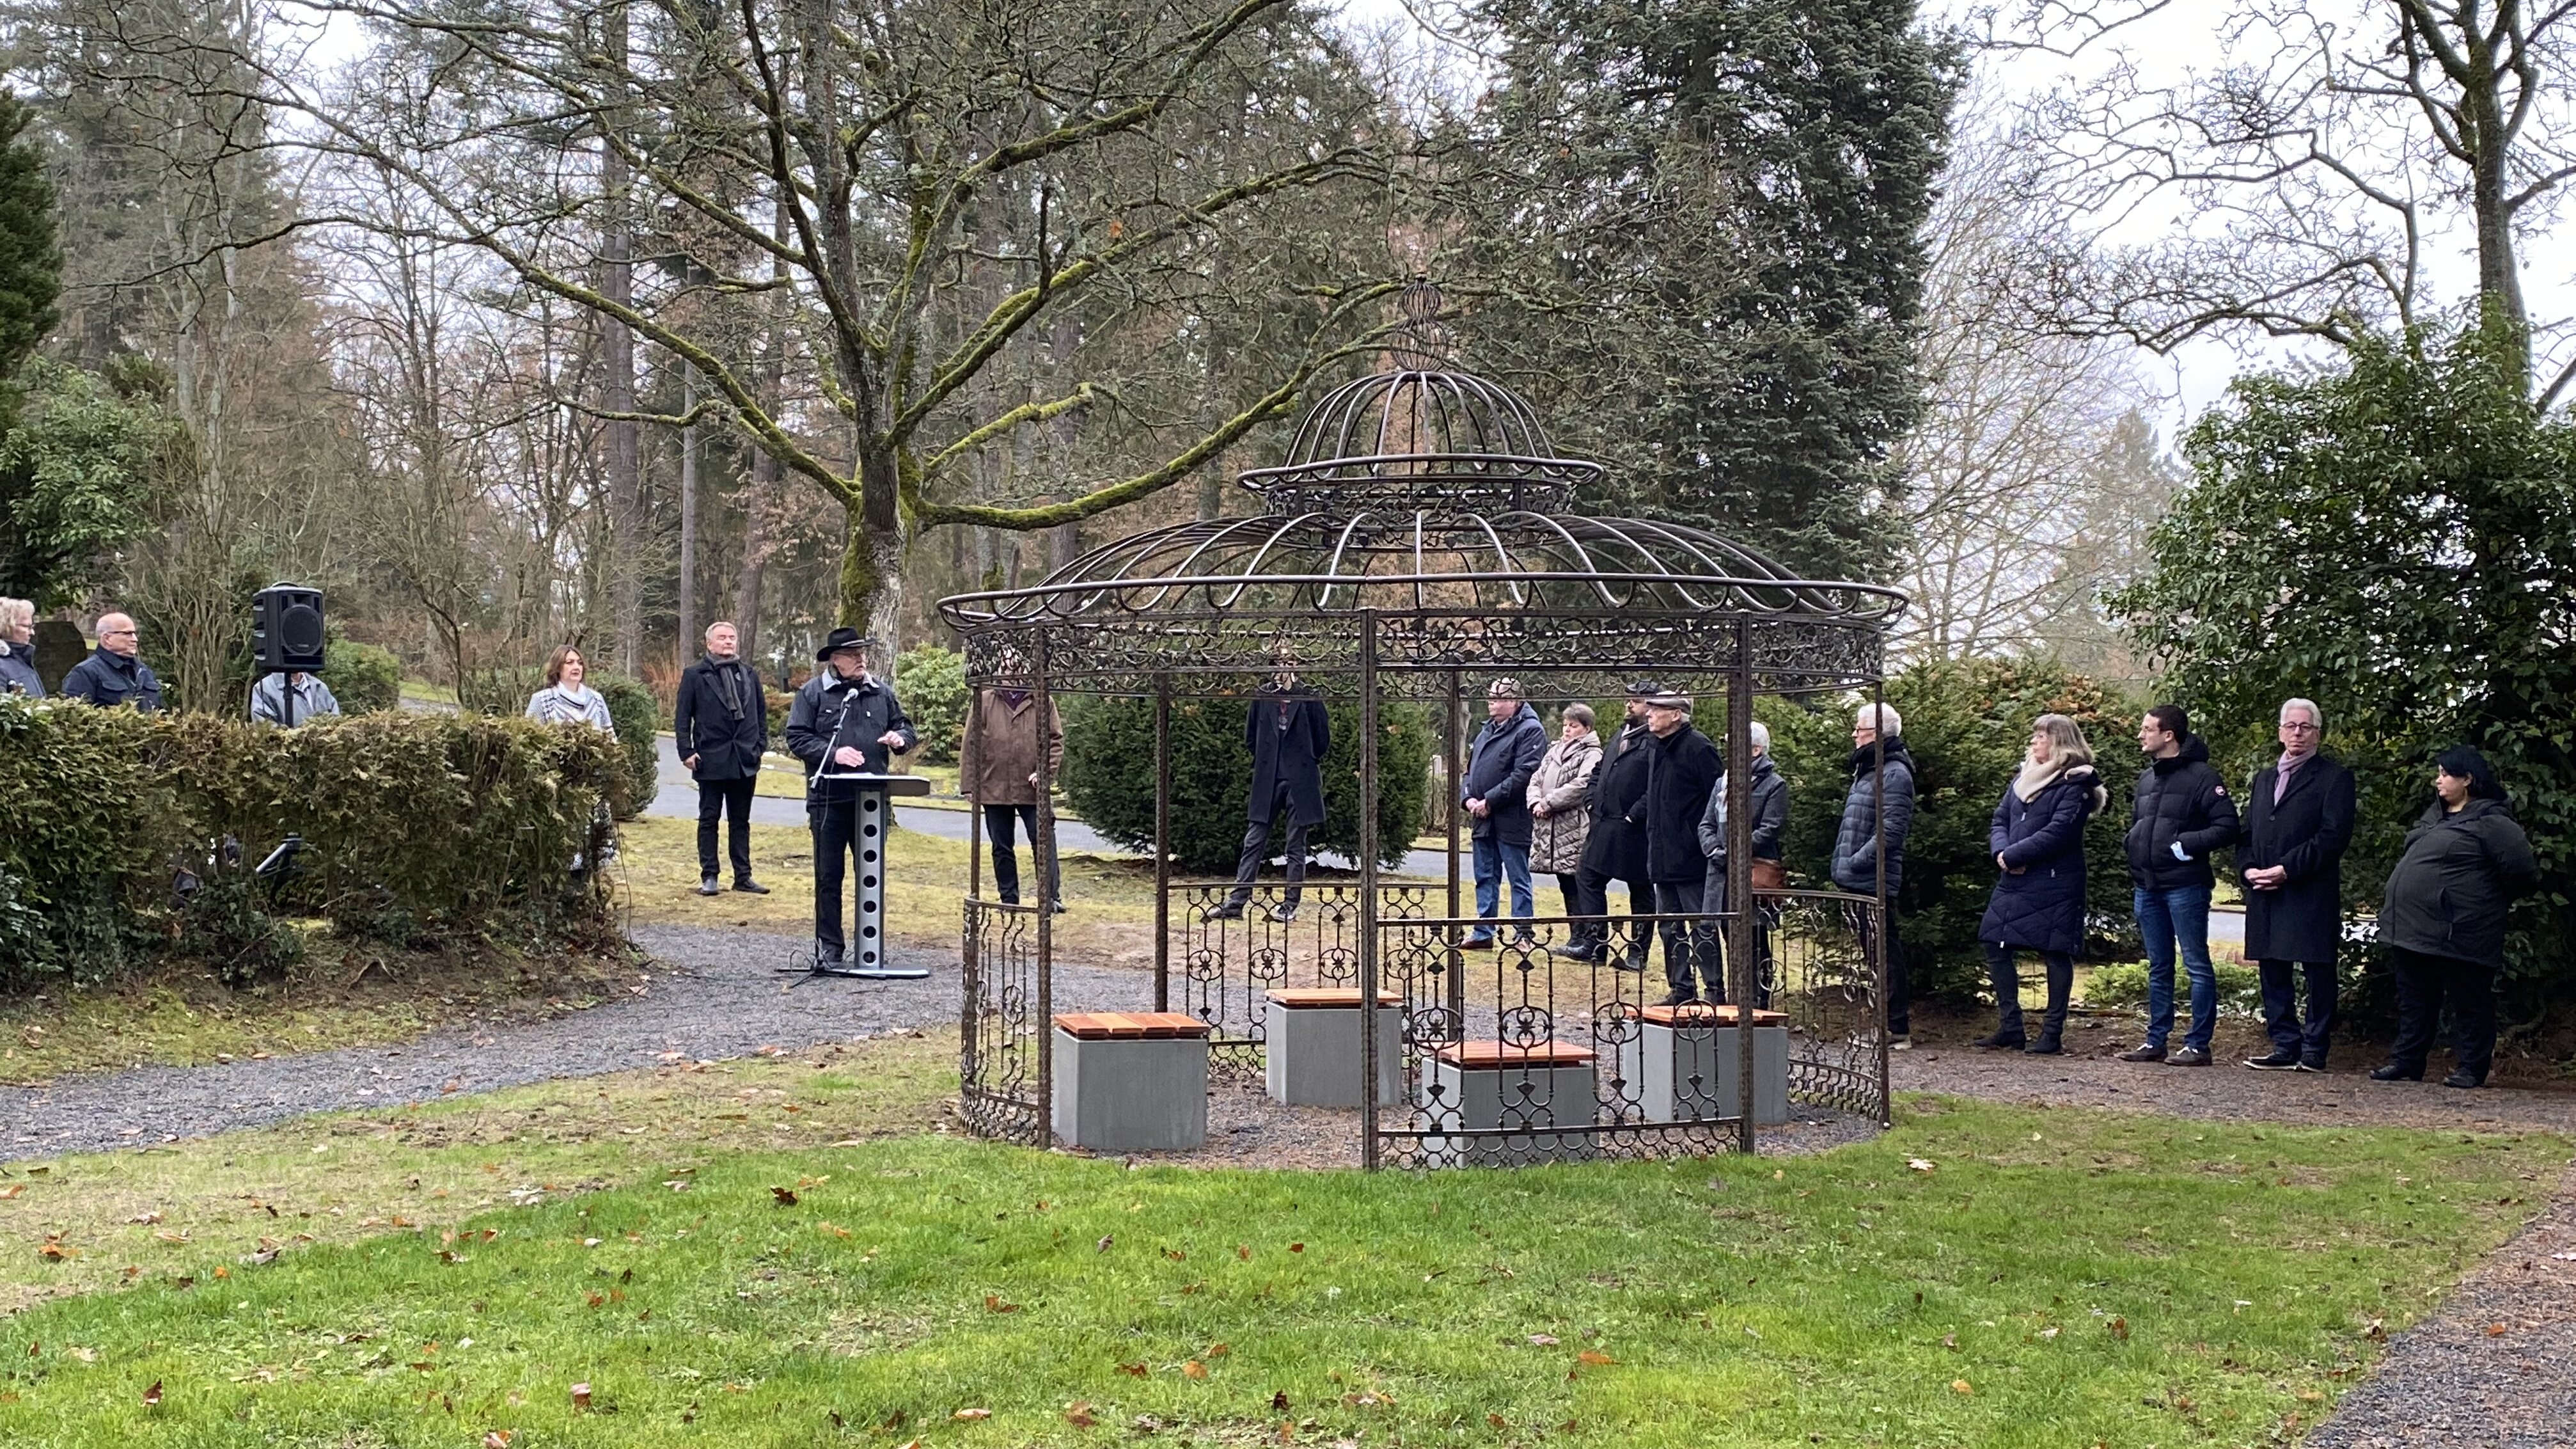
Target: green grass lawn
{"points": [[2054, 1278]]}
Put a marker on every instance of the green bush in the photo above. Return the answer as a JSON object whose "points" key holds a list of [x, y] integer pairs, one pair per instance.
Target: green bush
{"points": [[1109, 777], [2124, 987], [1966, 724], [458, 826], [931, 683], [364, 678], [637, 716]]}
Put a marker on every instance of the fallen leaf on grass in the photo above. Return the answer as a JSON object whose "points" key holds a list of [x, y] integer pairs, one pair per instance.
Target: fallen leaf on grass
{"points": [[152, 1395], [1279, 1401], [972, 1414], [1219, 1350], [1591, 1359], [581, 1396], [2120, 1329], [2375, 1330], [144, 1218], [1498, 1421], [1133, 1370], [1919, 1164], [1105, 1240], [167, 1236], [497, 1439], [1194, 1370], [993, 1304], [12, 1190], [1543, 1340], [838, 1232], [1296, 1247], [1078, 1414], [1244, 1252], [1960, 1386], [785, 1196]]}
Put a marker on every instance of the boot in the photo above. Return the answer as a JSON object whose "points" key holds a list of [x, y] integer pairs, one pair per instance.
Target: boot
{"points": [[1998, 1040], [2046, 1044]]}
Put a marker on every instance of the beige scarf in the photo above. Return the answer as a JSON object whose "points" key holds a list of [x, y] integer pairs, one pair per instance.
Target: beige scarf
{"points": [[2035, 777]]}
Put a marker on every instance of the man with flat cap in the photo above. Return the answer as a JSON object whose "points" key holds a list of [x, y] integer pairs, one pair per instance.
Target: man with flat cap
{"points": [[843, 721], [1615, 849], [1495, 795]]}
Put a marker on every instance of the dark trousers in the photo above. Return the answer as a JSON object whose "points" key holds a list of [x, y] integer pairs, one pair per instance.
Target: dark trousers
{"points": [[836, 842], [1006, 862], [1885, 946], [732, 800], [2281, 1007], [2006, 980], [1690, 939], [1595, 888], [1256, 849], [2422, 983], [1713, 894]]}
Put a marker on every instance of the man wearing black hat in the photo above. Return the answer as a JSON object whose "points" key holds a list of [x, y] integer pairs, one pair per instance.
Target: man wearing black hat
{"points": [[844, 720], [1614, 849]]}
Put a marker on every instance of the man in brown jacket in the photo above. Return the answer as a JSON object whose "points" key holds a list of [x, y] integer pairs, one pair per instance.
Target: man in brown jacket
{"points": [[997, 768]]}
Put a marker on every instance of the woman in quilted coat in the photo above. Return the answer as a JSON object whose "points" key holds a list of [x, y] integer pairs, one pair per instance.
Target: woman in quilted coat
{"points": [[2038, 842], [1560, 800]]}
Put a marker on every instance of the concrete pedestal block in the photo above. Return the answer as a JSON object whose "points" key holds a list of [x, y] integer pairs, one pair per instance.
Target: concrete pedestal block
{"points": [[1684, 1067], [1130, 1081], [1484, 1086], [1311, 1056]]}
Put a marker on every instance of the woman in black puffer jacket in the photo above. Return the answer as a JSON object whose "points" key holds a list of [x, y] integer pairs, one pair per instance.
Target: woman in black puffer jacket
{"points": [[2038, 843], [2442, 918]]}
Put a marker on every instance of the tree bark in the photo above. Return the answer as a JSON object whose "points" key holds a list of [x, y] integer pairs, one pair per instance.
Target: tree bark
{"points": [[617, 393]]}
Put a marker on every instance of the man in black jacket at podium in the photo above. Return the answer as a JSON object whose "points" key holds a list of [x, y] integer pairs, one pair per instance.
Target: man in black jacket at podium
{"points": [[844, 720]]}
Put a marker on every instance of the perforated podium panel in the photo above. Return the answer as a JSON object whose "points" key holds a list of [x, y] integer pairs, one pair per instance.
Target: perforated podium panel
{"points": [[867, 952]]}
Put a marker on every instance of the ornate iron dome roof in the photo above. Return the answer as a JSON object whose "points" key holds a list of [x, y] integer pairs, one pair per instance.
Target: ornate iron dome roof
{"points": [[1431, 498]]}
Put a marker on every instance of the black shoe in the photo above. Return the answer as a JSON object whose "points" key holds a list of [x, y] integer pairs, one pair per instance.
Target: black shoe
{"points": [[1578, 951], [2392, 1072], [1284, 914], [1055, 907], [2317, 1066], [2000, 1040], [2463, 1077], [1476, 943], [748, 886], [1677, 997], [1229, 911], [2278, 1061], [826, 960], [707, 886], [2046, 1044], [2188, 1057], [2150, 1052], [1634, 961]]}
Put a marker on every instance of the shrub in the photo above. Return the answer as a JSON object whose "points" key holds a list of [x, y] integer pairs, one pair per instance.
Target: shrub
{"points": [[1966, 724], [1109, 777], [637, 716], [931, 683], [458, 825], [364, 678], [2124, 986]]}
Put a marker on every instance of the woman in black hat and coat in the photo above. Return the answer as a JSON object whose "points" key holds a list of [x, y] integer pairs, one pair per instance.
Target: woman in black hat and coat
{"points": [[2442, 918], [2037, 840]]}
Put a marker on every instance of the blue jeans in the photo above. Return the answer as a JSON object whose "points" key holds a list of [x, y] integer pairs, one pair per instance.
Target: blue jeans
{"points": [[1496, 862], [2164, 918]]}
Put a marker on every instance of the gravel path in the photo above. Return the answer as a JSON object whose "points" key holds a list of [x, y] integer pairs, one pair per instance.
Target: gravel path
{"points": [[711, 994]]}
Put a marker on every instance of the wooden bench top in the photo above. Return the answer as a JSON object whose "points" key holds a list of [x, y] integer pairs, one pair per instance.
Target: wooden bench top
{"points": [[1503, 1056], [1700, 1013], [1128, 1025], [1301, 998]]}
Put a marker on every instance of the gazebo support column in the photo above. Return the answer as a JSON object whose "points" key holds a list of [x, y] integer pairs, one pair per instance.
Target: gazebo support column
{"points": [[1370, 1046], [1042, 852], [1162, 842], [1744, 972]]}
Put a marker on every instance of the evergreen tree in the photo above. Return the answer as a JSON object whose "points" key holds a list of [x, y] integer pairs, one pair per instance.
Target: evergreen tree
{"points": [[31, 255], [1692, 231]]}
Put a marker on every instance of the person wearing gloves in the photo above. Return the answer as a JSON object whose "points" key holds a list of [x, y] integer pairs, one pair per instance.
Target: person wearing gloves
{"points": [[1770, 794], [2037, 839], [2179, 816], [1495, 795], [2442, 915]]}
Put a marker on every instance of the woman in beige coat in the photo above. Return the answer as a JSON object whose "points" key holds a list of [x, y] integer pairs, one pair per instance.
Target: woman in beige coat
{"points": [[997, 768], [1560, 797]]}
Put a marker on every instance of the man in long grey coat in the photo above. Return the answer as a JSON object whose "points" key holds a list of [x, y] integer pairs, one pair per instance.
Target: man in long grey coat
{"points": [[2298, 821]]}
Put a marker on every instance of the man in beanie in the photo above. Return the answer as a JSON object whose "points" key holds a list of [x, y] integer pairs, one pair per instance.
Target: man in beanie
{"points": [[1682, 767], [1495, 795], [843, 721]]}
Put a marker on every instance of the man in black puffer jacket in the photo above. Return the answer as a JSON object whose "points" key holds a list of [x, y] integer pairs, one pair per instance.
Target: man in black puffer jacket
{"points": [[2179, 817]]}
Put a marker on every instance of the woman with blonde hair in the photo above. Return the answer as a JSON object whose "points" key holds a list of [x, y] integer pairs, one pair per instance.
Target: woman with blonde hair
{"points": [[2037, 838], [18, 651]]}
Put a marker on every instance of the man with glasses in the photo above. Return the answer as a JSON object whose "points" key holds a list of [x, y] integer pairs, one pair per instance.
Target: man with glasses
{"points": [[112, 675], [2298, 819]]}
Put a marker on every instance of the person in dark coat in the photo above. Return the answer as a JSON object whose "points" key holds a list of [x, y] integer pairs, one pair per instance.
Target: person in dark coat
{"points": [[1681, 767], [1495, 795], [1770, 811], [18, 674], [1289, 735], [1880, 765], [2179, 816], [2037, 840], [843, 720], [721, 725], [1613, 849], [2442, 916], [112, 675], [2298, 819], [997, 768]]}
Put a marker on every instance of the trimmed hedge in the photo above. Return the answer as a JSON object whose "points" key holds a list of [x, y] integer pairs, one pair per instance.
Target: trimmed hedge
{"points": [[633, 712], [419, 829], [1966, 724], [1109, 777]]}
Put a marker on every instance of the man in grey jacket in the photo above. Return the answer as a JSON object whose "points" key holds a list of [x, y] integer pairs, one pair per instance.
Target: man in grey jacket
{"points": [[1881, 801], [313, 699], [1770, 810]]}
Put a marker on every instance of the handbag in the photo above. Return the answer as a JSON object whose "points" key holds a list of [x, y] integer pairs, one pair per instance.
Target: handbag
{"points": [[1770, 875]]}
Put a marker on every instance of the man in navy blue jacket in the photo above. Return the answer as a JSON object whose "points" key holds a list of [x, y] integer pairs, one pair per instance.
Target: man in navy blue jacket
{"points": [[1495, 795]]}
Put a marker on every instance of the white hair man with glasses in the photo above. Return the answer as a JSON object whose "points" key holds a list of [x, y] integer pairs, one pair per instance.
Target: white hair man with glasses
{"points": [[2298, 820]]}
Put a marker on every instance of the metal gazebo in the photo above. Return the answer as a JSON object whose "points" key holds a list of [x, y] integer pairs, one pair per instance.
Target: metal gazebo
{"points": [[1422, 536]]}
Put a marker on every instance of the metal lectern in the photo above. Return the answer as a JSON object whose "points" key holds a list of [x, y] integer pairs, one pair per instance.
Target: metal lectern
{"points": [[866, 957]]}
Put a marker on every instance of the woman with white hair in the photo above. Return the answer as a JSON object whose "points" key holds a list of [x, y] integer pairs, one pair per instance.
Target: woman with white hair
{"points": [[1881, 804], [18, 650], [2037, 839]]}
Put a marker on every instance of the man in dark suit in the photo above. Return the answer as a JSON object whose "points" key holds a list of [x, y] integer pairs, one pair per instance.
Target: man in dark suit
{"points": [[722, 728], [1288, 733], [1614, 849], [843, 720], [2298, 819]]}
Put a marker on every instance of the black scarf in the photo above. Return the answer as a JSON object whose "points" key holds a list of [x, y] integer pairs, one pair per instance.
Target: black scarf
{"points": [[724, 670]]}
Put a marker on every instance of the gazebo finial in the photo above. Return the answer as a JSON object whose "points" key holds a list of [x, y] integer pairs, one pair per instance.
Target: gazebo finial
{"points": [[1415, 345]]}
